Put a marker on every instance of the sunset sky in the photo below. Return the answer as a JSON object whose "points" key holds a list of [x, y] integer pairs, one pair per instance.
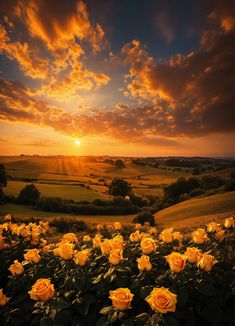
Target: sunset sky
{"points": [[117, 77]]}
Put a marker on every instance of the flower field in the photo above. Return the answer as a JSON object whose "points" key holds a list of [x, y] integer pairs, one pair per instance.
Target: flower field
{"points": [[132, 275]]}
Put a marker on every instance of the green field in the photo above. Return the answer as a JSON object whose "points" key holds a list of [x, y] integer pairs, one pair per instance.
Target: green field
{"points": [[26, 211], [64, 191], [192, 211]]}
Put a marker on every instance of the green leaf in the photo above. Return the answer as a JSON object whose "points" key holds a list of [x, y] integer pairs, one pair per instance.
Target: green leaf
{"points": [[105, 310], [113, 317], [109, 272]]}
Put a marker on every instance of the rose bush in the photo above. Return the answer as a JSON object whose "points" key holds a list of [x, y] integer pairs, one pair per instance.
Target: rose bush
{"points": [[133, 275]]}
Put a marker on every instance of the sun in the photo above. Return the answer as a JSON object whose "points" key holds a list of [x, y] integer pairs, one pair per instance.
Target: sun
{"points": [[77, 142]]}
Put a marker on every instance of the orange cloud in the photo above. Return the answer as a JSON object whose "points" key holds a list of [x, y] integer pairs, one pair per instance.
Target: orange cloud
{"points": [[56, 23], [62, 27], [31, 63]]}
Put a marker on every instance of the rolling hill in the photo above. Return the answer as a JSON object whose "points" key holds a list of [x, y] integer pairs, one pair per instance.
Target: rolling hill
{"points": [[200, 210]]}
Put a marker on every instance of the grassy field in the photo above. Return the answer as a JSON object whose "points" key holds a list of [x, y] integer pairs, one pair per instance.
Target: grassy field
{"points": [[64, 171], [193, 211], [64, 191], [26, 211]]}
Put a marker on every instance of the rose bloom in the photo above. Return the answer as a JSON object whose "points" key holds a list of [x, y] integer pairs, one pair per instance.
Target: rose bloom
{"points": [[97, 240], [144, 235], [32, 256], [99, 227], [144, 263], [220, 235], [138, 226], [166, 235], [16, 268], [81, 257], [115, 256], [162, 300], [3, 298], [117, 226], [65, 250], [121, 298], [176, 261], [178, 236], [105, 246], [117, 242], [7, 217], [42, 290], [229, 223], [24, 232], [206, 262], [152, 230], [86, 238], [135, 237], [148, 245], [192, 254], [213, 227], [70, 237], [199, 236]]}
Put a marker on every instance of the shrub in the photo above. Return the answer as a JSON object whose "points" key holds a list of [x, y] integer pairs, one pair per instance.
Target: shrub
{"points": [[28, 195], [144, 217]]}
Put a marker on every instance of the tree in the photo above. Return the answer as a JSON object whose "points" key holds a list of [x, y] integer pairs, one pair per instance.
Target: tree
{"points": [[119, 187], [3, 181], [120, 164], [3, 176], [29, 195]]}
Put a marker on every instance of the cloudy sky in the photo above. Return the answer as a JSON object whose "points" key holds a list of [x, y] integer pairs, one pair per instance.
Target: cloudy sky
{"points": [[122, 77]]}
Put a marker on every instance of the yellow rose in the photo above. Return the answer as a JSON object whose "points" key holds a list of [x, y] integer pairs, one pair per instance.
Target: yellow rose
{"points": [[220, 235], [206, 262], [148, 245], [144, 235], [115, 256], [229, 223], [105, 246], [162, 300], [97, 240], [176, 261], [86, 238], [166, 235], [70, 237], [65, 250], [199, 236], [117, 226], [3, 298], [32, 256], [192, 254], [42, 290], [135, 237], [144, 263], [121, 298], [178, 236], [99, 227], [24, 232], [213, 227], [80, 257], [7, 217], [152, 230], [16, 268], [117, 242], [138, 226]]}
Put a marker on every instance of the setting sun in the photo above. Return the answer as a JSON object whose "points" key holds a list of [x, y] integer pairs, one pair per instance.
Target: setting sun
{"points": [[78, 142]]}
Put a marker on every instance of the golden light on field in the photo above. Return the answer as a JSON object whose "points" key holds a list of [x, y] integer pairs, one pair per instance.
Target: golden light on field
{"points": [[77, 142]]}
